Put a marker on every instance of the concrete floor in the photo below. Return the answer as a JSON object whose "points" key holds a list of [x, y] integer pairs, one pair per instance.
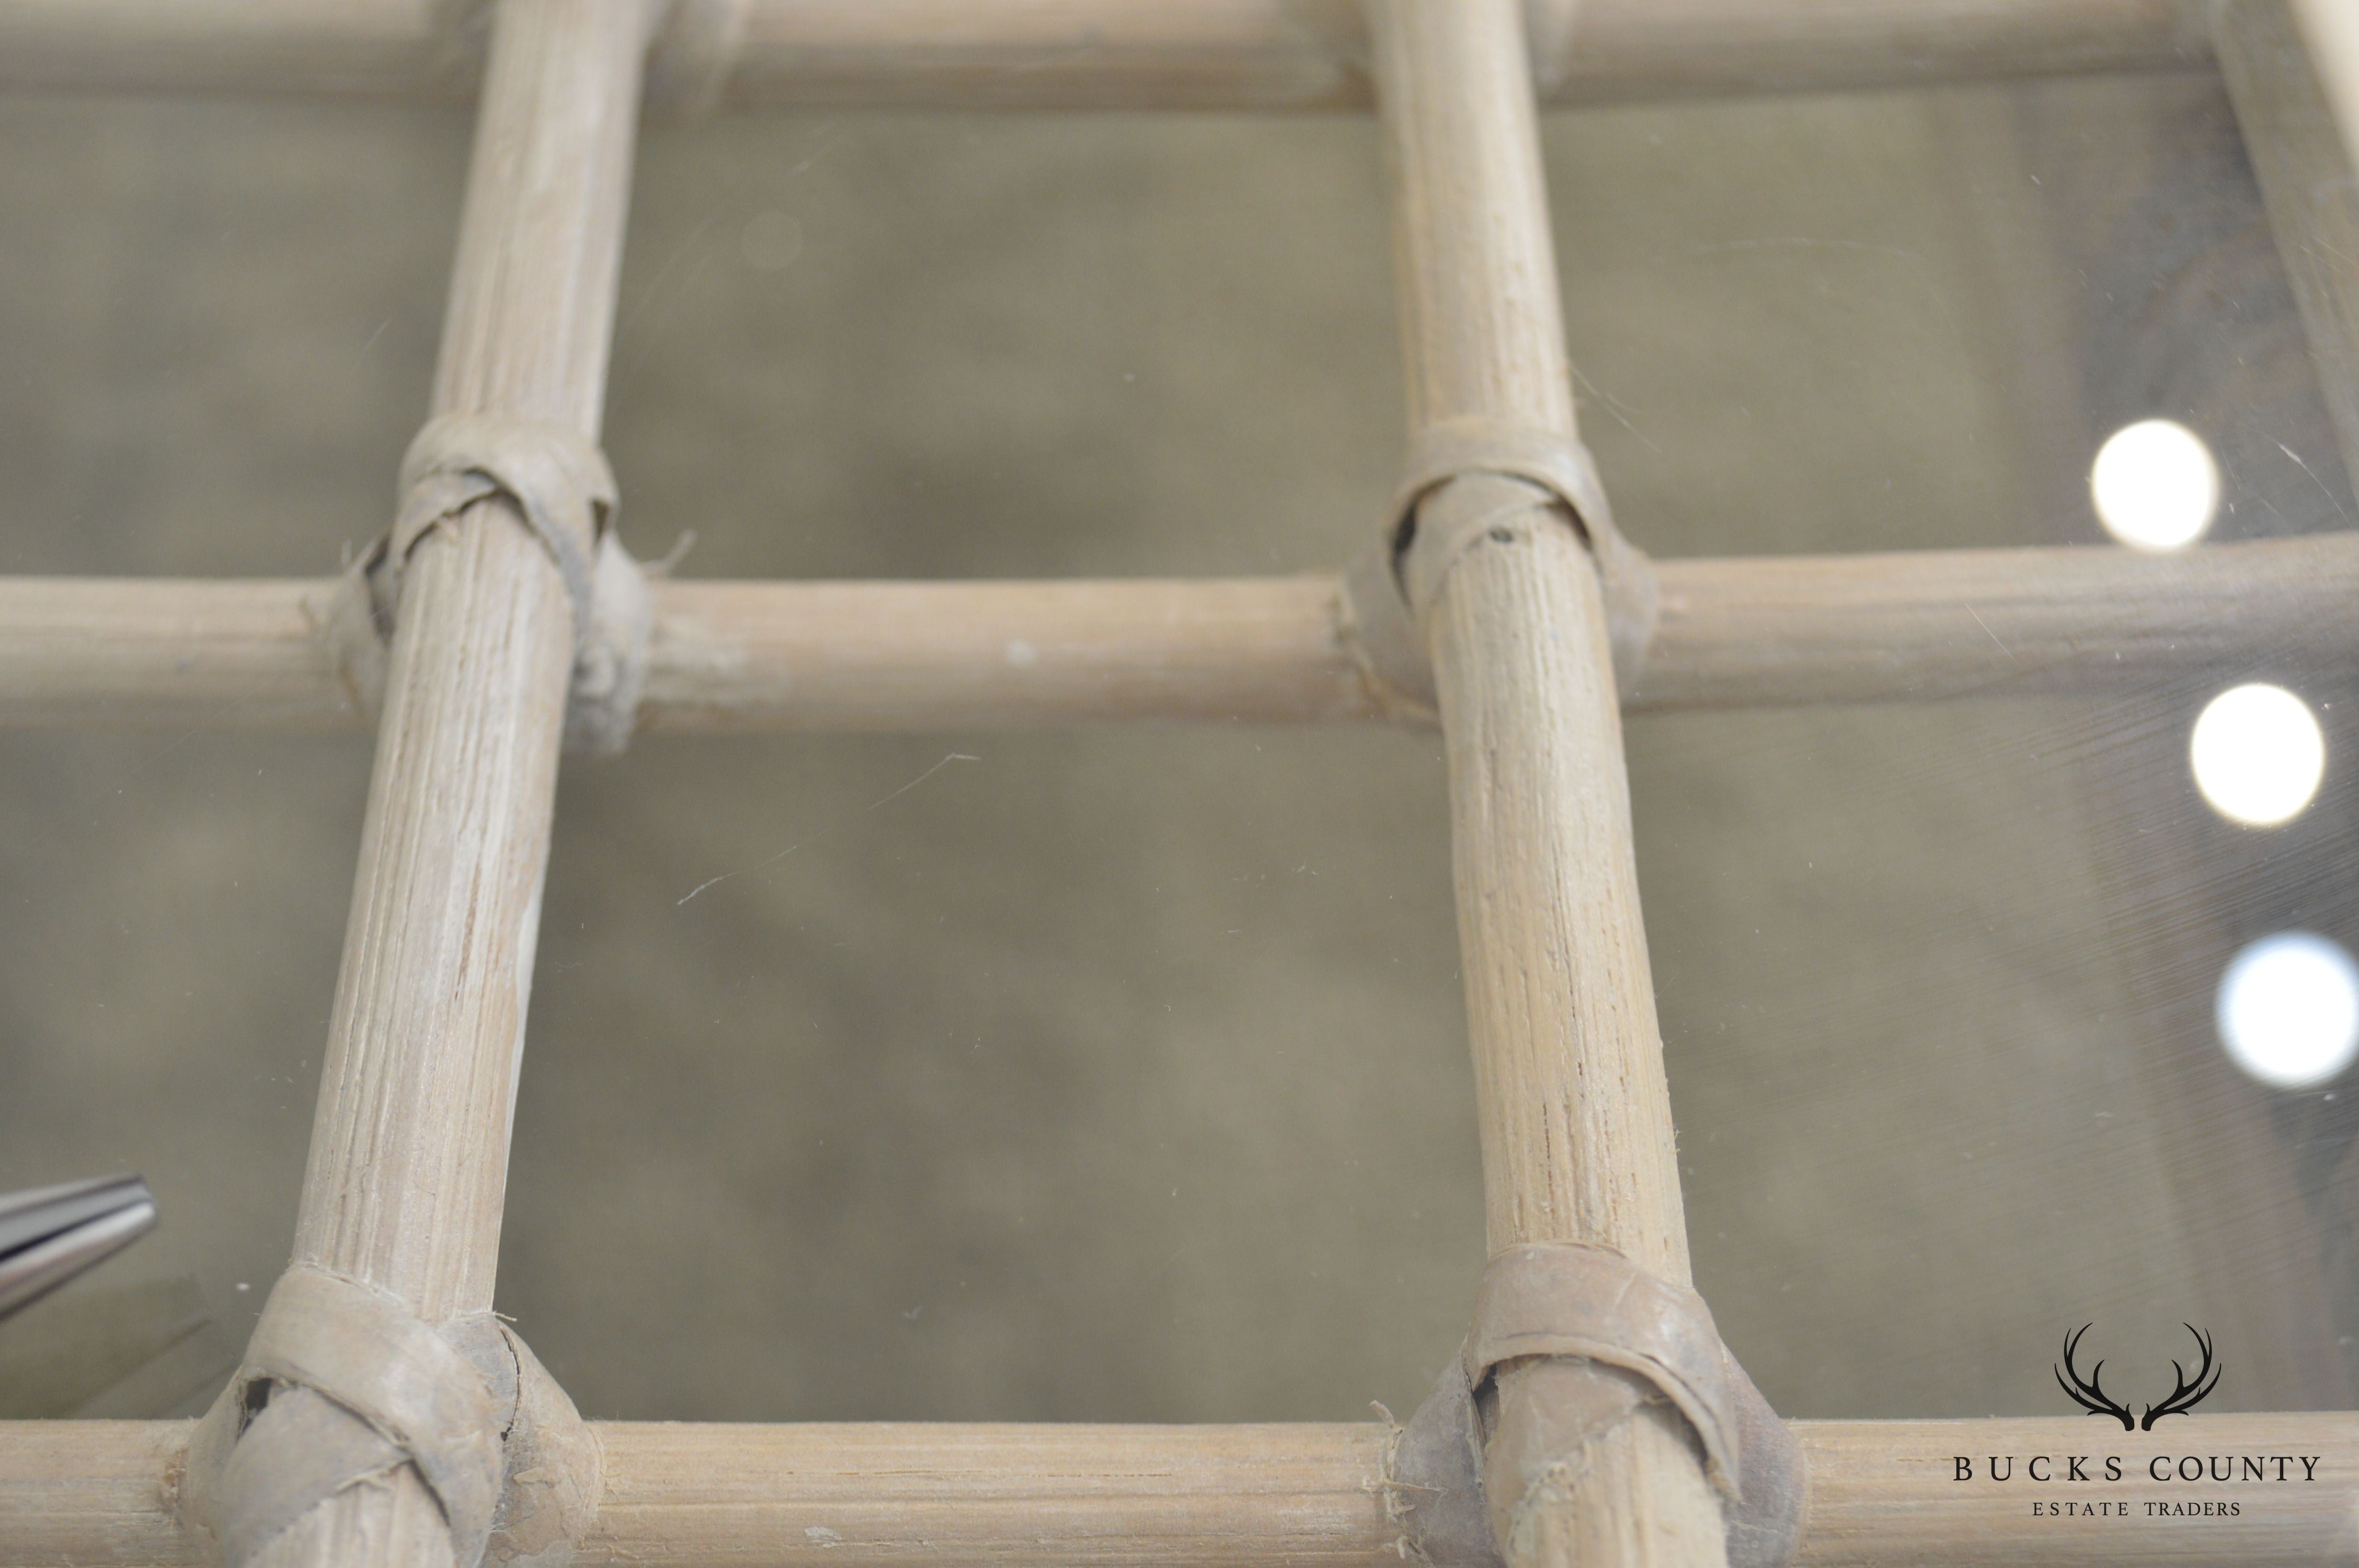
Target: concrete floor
{"points": [[1120, 1075]]}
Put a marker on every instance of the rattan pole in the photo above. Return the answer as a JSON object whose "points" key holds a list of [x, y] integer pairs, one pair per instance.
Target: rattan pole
{"points": [[746, 658], [1069, 54], [1575, 1113], [2331, 28], [404, 1189], [1916, 626], [2292, 135], [681, 1495]]}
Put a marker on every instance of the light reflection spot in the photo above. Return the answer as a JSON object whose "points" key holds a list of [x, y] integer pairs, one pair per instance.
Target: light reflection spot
{"points": [[2154, 485], [2289, 1010], [2258, 754]]}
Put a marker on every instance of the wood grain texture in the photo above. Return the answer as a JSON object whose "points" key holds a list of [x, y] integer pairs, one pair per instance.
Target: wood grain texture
{"points": [[1305, 1495], [1928, 625], [1053, 1496], [409, 1154], [1572, 1105], [885, 656], [404, 1189], [1130, 54], [742, 657], [125, 653]]}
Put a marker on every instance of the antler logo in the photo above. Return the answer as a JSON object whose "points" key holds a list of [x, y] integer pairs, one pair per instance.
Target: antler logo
{"points": [[2090, 1396]]}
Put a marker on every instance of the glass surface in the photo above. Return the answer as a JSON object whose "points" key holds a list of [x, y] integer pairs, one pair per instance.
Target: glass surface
{"points": [[1121, 1074]]}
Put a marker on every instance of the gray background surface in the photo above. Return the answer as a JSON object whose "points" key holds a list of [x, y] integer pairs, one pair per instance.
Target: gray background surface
{"points": [[1120, 1075]]}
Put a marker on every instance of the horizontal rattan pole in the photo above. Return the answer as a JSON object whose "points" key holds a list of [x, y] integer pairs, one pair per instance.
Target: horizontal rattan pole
{"points": [[252, 655], [745, 656], [1304, 1497], [1123, 54], [1922, 626], [918, 655]]}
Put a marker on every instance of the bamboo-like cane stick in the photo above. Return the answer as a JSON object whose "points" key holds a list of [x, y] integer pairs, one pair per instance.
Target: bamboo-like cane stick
{"points": [[733, 657], [685, 1495], [1574, 1108], [2331, 28], [2291, 134], [405, 1186], [1927, 625], [1129, 54], [998, 654]]}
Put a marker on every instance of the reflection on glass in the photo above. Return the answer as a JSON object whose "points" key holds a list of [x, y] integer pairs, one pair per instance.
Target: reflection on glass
{"points": [[2154, 485], [2289, 1010], [2258, 754]]}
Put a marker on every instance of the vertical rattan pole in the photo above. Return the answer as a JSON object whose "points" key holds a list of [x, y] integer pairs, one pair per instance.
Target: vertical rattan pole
{"points": [[409, 1148], [2291, 134], [2331, 28], [1576, 1123]]}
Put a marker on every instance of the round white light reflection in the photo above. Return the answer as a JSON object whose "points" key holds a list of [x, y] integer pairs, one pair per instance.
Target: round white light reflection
{"points": [[2289, 1010], [2154, 485], [2258, 754]]}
